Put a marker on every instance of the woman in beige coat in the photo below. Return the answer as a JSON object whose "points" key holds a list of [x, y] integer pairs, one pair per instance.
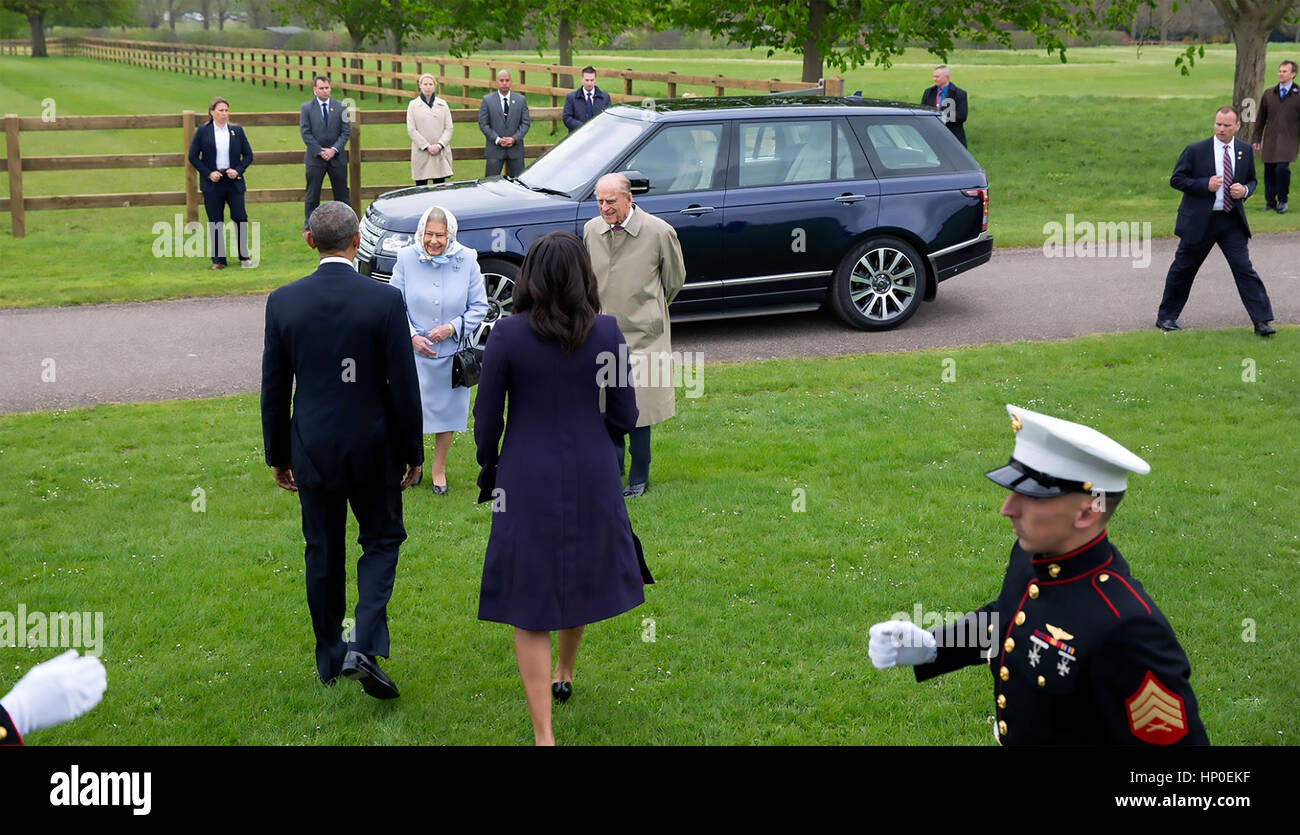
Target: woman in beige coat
{"points": [[428, 122]]}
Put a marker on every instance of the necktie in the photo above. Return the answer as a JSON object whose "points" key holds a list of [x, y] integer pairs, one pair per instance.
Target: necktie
{"points": [[939, 100], [591, 108], [505, 106], [616, 228], [1227, 177], [325, 111]]}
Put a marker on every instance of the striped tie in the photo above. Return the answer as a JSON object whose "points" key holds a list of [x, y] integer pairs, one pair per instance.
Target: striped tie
{"points": [[1227, 177]]}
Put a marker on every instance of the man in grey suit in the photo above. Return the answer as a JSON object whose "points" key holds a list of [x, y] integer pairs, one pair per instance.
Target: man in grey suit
{"points": [[503, 118], [325, 129]]}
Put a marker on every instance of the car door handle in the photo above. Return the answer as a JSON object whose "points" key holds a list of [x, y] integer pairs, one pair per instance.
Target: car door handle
{"points": [[850, 198], [697, 210]]}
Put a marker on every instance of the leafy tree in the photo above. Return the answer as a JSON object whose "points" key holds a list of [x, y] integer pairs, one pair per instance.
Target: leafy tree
{"points": [[1251, 21], [40, 13]]}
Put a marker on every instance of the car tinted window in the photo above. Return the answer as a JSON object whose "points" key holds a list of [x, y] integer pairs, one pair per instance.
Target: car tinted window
{"points": [[850, 162], [900, 146], [584, 154], [679, 158], [786, 151]]}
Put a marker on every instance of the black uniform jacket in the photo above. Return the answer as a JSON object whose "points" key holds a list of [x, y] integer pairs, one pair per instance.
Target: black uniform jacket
{"points": [[1082, 655]]}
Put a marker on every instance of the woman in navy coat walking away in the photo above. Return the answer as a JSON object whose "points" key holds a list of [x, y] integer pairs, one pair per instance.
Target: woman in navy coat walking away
{"points": [[561, 553]]}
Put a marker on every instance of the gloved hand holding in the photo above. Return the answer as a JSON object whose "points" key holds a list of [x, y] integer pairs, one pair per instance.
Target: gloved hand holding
{"points": [[901, 643], [55, 691]]}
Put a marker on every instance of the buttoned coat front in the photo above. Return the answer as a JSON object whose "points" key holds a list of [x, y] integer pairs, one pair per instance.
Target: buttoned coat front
{"points": [[429, 126], [639, 271], [1278, 126]]}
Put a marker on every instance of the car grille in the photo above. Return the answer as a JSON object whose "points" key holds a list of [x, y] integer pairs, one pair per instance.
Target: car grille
{"points": [[369, 240]]}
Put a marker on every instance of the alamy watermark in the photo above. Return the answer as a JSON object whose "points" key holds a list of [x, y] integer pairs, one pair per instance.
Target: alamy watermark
{"points": [[66, 630], [652, 369], [178, 239], [955, 629], [1085, 239]]}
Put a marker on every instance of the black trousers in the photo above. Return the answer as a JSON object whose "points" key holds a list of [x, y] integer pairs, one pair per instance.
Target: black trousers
{"points": [[1277, 182], [378, 511], [338, 173], [639, 440], [431, 180], [215, 199], [1227, 230], [514, 167]]}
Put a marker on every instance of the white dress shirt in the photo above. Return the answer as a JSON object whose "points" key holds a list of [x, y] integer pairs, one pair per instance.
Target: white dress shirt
{"points": [[1218, 169], [222, 137]]}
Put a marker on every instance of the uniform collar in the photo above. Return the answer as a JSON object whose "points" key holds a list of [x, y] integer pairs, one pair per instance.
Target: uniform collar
{"points": [[1077, 563]]}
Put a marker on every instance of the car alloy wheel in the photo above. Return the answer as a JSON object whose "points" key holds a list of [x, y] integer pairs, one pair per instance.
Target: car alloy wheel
{"points": [[879, 284], [499, 281]]}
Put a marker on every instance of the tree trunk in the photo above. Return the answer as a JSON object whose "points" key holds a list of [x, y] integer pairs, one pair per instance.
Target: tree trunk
{"points": [[357, 78], [1251, 24], [37, 22], [812, 53], [171, 16], [565, 44]]}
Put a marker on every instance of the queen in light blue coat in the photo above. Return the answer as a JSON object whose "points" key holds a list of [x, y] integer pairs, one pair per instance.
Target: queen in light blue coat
{"points": [[442, 286]]}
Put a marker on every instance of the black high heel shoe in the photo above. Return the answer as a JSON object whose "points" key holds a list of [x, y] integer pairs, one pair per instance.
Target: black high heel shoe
{"points": [[562, 690]]}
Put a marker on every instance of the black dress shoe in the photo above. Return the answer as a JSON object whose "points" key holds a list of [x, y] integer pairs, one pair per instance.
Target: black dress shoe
{"points": [[562, 690], [1167, 324], [635, 490], [419, 478], [1281, 208], [363, 668], [1264, 329]]}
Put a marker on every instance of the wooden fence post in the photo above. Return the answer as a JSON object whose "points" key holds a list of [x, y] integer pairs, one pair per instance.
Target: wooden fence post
{"points": [[17, 219], [834, 86], [555, 82], [191, 176], [354, 160]]}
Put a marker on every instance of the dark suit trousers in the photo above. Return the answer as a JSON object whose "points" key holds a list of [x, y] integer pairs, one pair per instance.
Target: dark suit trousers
{"points": [[315, 177], [514, 167], [215, 199], [324, 516], [1226, 230], [639, 440], [1277, 182]]}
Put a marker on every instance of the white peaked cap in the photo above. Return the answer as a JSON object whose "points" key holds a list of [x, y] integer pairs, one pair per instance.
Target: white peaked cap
{"points": [[1054, 456]]}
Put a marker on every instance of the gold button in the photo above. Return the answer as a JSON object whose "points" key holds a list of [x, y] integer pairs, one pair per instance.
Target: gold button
{"points": [[1020, 618], [1104, 577], [990, 629], [1002, 727], [1087, 485], [1002, 701], [1042, 681], [1033, 591], [1008, 645], [1053, 569], [3, 733], [1004, 674]]}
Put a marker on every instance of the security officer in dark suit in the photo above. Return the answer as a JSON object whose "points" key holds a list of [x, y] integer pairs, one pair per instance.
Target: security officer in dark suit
{"points": [[354, 438], [325, 127], [1080, 654], [221, 154], [951, 101], [582, 105]]}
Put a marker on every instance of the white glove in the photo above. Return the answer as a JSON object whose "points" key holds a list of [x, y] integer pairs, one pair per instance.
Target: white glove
{"points": [[902, 643], [55, 691]]}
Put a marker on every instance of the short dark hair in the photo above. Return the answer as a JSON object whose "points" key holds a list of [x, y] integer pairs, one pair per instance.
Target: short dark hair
{"points": [[556, 287], [588, 69], [1292, 63], [1227, 108], [333, 226], [316, 79]]}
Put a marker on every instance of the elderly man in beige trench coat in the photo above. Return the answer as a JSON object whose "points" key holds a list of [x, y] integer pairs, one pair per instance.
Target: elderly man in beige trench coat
{"points": [[639, 270]]}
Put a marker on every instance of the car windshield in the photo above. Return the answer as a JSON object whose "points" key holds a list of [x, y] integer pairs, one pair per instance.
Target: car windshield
{"points": [[588, 152]]}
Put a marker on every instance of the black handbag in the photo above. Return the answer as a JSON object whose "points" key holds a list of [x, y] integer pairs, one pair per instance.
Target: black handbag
{"points": [[466, 365]]}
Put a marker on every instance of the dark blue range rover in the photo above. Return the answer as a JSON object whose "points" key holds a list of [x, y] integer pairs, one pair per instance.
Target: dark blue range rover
{"points": [[782, 203]]}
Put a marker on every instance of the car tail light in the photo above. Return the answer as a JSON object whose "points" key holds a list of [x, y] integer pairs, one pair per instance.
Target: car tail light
{"points": [[983, 195]]}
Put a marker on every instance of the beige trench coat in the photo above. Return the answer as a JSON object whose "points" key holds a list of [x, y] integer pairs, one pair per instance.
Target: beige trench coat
{"points": [[427, 126], [638, 273]]}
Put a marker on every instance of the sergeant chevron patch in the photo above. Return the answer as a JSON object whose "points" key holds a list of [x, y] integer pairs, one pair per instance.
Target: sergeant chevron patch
{"points": [[1155, 714]]}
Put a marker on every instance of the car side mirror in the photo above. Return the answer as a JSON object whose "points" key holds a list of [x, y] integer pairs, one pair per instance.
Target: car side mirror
{"points": [[640, 183]]}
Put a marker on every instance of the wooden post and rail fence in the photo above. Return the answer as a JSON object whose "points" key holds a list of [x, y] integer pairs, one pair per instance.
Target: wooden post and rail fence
{"points": [[348, 71]]}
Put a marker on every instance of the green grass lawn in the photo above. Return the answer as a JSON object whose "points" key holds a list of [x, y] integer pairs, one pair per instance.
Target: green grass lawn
{"points": [[763, 601], [1096, 137]]}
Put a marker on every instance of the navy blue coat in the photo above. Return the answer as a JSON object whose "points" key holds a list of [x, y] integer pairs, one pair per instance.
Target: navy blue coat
{"points": [[561, 552], [1192, 176], [356, 417], [203, 155], [575, 107]]}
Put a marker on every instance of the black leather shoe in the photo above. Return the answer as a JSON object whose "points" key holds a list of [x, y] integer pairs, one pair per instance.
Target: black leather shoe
{"points": [[363, 668], [1167, 325], [635, 490], [419, 478], [562, 690], [1264, 329], [1281, 208]]}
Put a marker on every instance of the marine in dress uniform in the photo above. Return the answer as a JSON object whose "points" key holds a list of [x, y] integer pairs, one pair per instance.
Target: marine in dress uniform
{"points": [[1080, 655]]}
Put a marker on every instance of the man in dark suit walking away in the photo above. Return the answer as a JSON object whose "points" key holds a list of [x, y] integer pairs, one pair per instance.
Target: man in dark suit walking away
{"points": [[1216, 176], [1279, 110], [582, 105], [951, 101], [503, 118], [325, 128], [355, 437]]}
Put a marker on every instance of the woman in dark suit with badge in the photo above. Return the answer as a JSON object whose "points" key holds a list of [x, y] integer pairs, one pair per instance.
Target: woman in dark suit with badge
{"points": [[220, 153], [561, 553]]}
